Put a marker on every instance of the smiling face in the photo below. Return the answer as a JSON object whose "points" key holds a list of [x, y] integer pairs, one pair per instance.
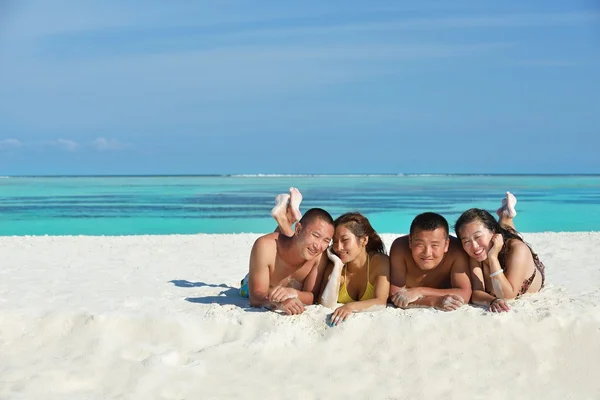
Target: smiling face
{"points": [[429, 247], [476, 239], [347, 245], [314, 238]]}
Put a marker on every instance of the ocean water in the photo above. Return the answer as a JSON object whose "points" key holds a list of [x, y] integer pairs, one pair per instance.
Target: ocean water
{"points": [[236, 204]]}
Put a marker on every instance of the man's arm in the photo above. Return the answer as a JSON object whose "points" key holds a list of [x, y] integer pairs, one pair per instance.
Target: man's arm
{"points": [[444, 299], [313, 282], [310, 286], [460, 281], [259, 276], [259, 281], [400, 296], [397, 265], [460, 277]]}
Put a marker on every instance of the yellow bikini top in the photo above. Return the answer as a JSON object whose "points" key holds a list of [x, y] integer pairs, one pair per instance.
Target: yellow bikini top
{"points": [[344, 296]]}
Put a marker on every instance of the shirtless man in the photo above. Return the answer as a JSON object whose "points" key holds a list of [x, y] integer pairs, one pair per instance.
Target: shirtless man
{"points": [[429, 268], [286, 272]]}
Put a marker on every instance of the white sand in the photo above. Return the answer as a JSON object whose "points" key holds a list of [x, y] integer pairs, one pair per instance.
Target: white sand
{"points": [[153, 317]]}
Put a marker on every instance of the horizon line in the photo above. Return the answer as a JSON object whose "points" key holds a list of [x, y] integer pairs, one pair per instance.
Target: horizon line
{"points": [[283, 175]]}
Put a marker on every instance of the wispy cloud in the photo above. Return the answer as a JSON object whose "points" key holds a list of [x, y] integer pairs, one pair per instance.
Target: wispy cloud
{"points": [[100, 144], [238, 71], [550, 63], [103, 144], [36, 18], [68, 145], [10, 143], [486, 22]]}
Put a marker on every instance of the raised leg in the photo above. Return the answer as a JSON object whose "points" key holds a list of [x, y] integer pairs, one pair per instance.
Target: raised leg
{"points": [[507, 211], [280, 213], [295, 200]]}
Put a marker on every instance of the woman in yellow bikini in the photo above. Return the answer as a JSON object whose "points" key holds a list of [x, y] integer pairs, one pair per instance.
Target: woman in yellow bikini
{"points": [[358, 275], [359, 272]]}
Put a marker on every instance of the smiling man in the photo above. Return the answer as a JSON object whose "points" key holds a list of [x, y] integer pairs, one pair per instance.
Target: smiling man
{"points": [[429, 268], [285, 272]]}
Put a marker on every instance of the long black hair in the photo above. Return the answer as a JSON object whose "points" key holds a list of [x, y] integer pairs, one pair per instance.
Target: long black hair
{"points": [[360, 226], [488, 220]]}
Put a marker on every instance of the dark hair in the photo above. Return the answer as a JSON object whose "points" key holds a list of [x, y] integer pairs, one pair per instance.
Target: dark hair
{"points": [[314, 214], [429, 221], [488, 220], [360, 226]]}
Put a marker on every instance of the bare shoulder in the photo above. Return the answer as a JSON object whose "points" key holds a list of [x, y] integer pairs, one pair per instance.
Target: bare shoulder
{"points": [[379, 259], [266, 239], [320, 261], [380, 263], [519, 248], [457, 256], [266, 243], [400, 245], [455, 249]]}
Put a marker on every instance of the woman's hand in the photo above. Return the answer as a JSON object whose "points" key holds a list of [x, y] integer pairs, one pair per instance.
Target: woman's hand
{"points": [[499, 305], [340, 314], [497, 243]]}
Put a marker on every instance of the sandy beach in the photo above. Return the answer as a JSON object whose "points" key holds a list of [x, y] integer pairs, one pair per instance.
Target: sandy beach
{"points": [[159, 317]]}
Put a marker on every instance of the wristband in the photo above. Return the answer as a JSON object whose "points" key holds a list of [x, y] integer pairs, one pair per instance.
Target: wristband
{"points": [[496, 273]]}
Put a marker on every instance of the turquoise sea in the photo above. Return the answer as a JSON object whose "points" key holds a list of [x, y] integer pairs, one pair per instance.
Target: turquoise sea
{"points": [[234, 204]]}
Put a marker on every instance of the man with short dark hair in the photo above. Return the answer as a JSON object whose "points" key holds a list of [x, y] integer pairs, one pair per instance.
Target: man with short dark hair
{"points": [[285, 272], [429, 268]]}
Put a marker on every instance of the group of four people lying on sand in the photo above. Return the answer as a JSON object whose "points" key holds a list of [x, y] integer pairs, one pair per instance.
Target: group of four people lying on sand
{"points": [[319, 260]]}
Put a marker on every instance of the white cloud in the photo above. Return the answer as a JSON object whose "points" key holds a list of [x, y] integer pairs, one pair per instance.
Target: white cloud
{"points": [[68, 145], [107, 144], [100, 143], [10, 143]]}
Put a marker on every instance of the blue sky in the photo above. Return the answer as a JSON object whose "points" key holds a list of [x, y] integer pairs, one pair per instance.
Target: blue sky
{"points": [[199, 87]]}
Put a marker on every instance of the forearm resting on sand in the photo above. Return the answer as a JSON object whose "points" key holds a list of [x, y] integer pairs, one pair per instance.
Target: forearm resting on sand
{"points": [[411, 298], [305, 297], [465, 294], [290, 305], [368, 305], [278, 295], [482, 298], [423, 302], [260, 299]]}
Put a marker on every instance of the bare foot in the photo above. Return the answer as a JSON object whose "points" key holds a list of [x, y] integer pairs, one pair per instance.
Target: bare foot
{"points": [[279, 213], [508, 206], [295, 200]]}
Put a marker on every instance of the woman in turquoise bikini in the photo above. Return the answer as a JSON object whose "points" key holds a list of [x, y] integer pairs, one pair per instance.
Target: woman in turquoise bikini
{"points": [[503, 266]]}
